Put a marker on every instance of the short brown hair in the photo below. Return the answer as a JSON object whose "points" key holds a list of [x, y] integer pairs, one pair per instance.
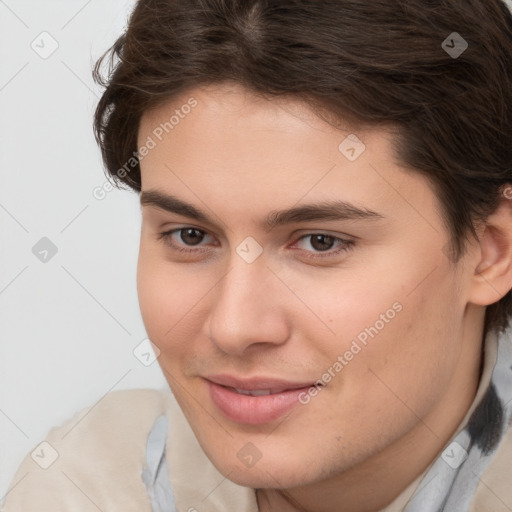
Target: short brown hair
{"points": [[378, 62]]}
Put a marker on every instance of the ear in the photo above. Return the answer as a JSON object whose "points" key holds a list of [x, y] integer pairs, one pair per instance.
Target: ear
{"points": [[493, 270]]}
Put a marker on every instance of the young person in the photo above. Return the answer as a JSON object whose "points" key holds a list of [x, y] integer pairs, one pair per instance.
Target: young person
{"points": [[325, 262]]}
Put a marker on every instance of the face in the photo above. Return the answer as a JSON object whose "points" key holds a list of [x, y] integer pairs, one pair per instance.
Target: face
{"points": [[293, 261]]}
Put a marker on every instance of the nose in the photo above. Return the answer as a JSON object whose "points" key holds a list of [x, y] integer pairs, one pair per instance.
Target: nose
{"points": [[248, 308]]}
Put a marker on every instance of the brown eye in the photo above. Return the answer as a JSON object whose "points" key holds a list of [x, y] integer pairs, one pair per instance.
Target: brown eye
{"points": [[186, 240], [191, 236], [322, 245], [322, 242]]}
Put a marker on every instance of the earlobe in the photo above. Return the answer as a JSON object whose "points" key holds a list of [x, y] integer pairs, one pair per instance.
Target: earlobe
{"points": [[493, 271]]}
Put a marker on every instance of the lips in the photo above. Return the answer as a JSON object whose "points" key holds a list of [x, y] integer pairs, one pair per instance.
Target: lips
{"points": [[254, 401], [257, 392], [258, 383]]}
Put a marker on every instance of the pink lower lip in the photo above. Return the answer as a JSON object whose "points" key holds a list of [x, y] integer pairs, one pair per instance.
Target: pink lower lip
{"points": [[253, 410]]}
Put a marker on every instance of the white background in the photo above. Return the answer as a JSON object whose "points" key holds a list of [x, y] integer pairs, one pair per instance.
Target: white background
{"points": [[68, 326]]}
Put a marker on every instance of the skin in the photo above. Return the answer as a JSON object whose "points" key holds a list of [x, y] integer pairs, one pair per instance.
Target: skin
{"points": [[390, 411]]}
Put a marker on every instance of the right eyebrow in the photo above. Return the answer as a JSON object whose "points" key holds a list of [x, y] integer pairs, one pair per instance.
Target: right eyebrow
{"points": [[329, 210], [172, 204]]}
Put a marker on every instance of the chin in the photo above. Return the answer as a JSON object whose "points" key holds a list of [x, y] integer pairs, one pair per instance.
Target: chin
{"points": [[262, 478], [277, 472]]}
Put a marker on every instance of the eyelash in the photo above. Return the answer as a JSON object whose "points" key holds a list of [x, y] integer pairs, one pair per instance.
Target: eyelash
{"points": [[345, 245]]}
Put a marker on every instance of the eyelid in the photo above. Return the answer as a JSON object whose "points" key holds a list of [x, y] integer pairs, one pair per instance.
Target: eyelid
{"points": [[318, 231], [167, 234], [344, 245]]}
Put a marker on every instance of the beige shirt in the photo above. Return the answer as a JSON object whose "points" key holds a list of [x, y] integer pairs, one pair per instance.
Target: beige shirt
{"points": [[94, 462]]}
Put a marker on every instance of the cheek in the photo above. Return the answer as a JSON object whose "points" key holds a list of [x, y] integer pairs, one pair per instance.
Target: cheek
{"points": [[162, 296], [401, 325], [410, 358], [171, 299]]}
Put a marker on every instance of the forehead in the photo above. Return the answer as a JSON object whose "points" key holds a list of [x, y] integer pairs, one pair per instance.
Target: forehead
{"points": [[232, 100], [228, 124]]}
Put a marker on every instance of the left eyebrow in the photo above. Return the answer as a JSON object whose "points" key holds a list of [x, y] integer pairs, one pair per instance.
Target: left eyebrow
{"points": [[329, 210]]}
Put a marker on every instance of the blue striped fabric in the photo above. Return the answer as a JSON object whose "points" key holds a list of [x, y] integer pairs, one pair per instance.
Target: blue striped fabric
{"points": [[155, 475]]}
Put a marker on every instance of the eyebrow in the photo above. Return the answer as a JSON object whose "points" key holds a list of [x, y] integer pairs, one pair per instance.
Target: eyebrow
{"points": [[328, 210]]}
